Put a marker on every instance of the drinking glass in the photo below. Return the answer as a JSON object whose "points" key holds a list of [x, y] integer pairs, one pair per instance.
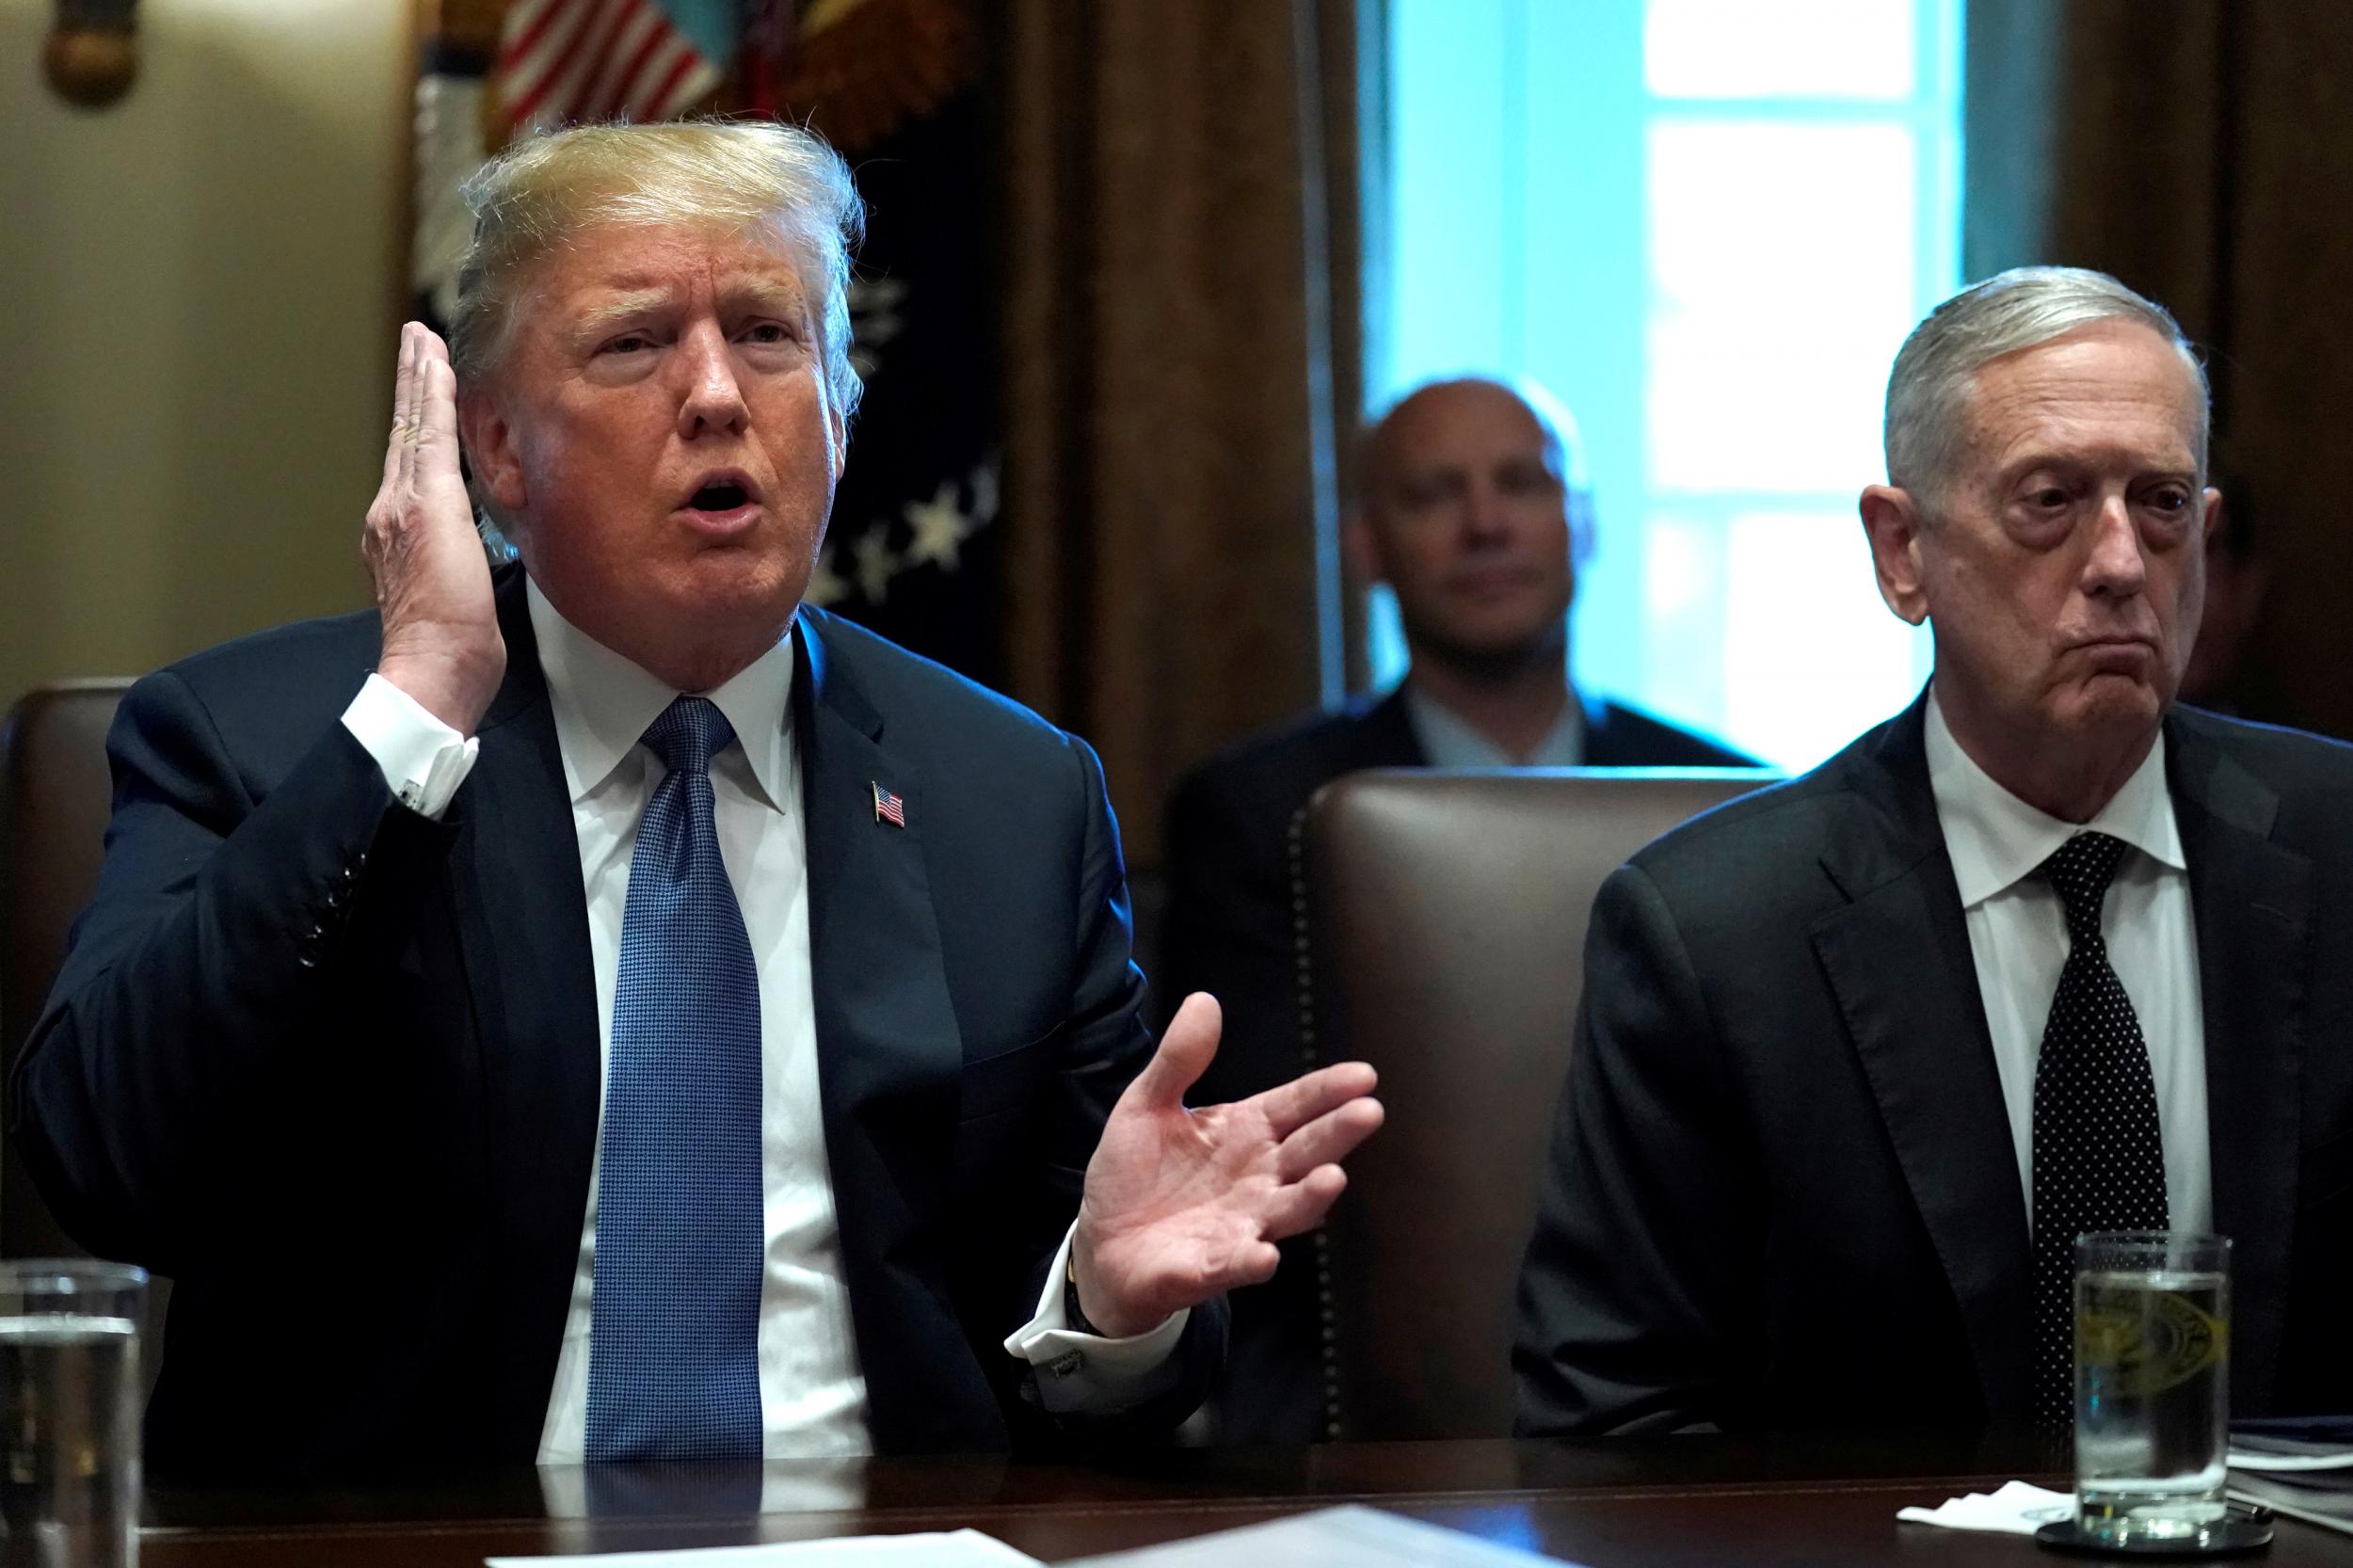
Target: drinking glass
{"points": [[2153, 1383], [70, 1412]]}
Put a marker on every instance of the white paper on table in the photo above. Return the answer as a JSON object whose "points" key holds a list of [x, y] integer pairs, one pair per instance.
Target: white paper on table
{"points": [[2013, 1508], [959, 1549], [1352, 1536]]}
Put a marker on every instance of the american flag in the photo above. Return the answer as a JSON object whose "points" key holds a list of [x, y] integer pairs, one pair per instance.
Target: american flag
{"points": [[889, 807], [563, 61]]}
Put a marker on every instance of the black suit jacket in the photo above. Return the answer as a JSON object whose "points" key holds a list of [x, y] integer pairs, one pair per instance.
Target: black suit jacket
{"points": [[1228, 932], [1784, 1191], [332, 1066]]}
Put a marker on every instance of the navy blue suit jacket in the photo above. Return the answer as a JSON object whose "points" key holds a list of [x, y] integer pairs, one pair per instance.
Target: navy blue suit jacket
{"points": [[332, 1066]]}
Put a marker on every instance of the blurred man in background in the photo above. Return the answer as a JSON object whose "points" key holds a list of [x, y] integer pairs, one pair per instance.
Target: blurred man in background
{"points": [[1473, 508]]}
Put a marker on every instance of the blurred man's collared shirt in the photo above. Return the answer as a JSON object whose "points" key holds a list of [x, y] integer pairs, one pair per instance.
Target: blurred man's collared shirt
{"points": [[1449, 743]]}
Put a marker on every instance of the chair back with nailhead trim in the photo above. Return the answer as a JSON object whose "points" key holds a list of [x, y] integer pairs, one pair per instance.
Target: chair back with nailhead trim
{"points": [[55, 798], [56, 795], [1441, 939]]}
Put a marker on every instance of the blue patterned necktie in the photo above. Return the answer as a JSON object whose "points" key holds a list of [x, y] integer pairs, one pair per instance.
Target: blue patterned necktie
{"points": [[673, 1349]]}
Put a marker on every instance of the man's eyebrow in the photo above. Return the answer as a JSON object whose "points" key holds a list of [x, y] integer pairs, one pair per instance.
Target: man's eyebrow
{"points": [[775, 294], [2087, 457], [616, 308]]}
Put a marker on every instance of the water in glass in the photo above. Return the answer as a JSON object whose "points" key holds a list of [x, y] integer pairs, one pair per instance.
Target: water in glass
{"points": [[69, 1403]]}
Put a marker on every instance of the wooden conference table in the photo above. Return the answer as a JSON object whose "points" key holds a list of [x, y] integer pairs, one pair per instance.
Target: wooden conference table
{"points": [[1690, 1503]]}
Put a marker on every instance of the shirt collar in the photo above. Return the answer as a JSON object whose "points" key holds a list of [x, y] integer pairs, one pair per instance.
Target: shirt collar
{"points": [[603, 703], [1995, 840], [1448, 742]]}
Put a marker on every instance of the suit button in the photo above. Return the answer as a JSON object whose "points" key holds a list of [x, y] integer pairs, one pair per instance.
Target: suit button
{"points": [[307, 959]]}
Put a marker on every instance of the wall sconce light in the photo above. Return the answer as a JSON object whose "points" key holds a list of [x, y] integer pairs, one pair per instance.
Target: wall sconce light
{"points": [[92, 55]]}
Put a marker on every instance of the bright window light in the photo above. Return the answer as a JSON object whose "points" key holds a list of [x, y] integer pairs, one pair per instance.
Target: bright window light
{"points": [[1807, 643], [1774, 311], [1707, 226], [1850, 49]]}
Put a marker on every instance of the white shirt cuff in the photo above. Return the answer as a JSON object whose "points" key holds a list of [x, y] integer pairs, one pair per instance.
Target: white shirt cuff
{"points": [[423, 759], [1086, 1374]]}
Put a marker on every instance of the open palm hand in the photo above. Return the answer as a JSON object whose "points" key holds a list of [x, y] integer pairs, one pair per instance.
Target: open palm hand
{"points": [[1183, 1204]]}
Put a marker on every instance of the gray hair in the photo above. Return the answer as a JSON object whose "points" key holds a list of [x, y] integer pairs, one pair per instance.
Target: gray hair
{"points": [[1935, 376], [540, 193]]}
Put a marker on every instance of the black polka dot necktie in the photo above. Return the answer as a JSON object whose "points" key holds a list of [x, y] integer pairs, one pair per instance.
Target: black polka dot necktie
{"points": [[2099, 1157]]}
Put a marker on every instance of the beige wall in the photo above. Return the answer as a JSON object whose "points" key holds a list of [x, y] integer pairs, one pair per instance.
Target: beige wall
{"points": [[200, 288]]}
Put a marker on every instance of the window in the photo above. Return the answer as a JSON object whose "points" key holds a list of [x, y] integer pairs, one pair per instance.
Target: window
{"points": [[1707, 226]]}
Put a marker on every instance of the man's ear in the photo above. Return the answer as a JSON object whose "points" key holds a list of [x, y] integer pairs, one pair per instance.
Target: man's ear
{"points": [[489, 443], [1577, 502], [2214, 505], [1892, 522]]}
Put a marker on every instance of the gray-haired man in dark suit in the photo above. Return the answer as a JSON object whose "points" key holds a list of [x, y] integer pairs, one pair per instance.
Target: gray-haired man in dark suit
{"points": [[1862, 1054]]}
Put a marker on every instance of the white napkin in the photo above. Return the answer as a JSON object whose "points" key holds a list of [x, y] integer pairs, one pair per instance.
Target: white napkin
{"points": [[2017, 1509]]}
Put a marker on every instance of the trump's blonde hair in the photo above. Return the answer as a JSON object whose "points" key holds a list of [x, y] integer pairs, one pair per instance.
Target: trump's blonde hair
{"points": [[540, 193]]}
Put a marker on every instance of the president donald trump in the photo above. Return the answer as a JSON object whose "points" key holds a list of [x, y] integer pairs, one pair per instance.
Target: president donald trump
{"points": [[600, 1007]]}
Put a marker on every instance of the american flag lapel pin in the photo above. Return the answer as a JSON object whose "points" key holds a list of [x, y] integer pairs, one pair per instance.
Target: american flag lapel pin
{"points": [[889, 807]]}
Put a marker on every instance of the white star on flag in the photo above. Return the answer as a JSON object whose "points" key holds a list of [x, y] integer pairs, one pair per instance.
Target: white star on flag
{"points": [[876, 562], [826, 585], [940, 527]]}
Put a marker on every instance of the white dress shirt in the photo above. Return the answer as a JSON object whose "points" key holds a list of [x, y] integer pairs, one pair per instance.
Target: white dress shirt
{"points": [[2018, 937], [813, 1394], [1448, 741]]}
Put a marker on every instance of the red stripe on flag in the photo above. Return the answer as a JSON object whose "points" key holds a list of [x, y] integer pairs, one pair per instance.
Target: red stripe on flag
{"points": [[658, 103], [530, 26], [619, 80], [580, 76], [535, 77], [598, 59], [563, 60], [668, 49]]}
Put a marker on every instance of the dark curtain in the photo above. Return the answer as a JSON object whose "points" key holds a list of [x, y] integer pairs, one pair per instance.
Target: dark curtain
{"points": [[897, 85], [913, 550], [2201, 150], [1182, 225]]}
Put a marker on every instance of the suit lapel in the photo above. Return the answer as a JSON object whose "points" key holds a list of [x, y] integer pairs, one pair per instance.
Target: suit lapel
{"points": [[890, 1057], [1386, 738], [2252, 901], [523, 931], [1897, 959]]}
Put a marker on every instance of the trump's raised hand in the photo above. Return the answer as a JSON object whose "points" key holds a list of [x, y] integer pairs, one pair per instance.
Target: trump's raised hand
{"points": [[1182, 1205], [442, 642]]}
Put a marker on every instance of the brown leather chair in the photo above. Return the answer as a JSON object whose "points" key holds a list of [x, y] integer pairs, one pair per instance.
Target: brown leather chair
{"points": [[1442, 938], [55, 797]]}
